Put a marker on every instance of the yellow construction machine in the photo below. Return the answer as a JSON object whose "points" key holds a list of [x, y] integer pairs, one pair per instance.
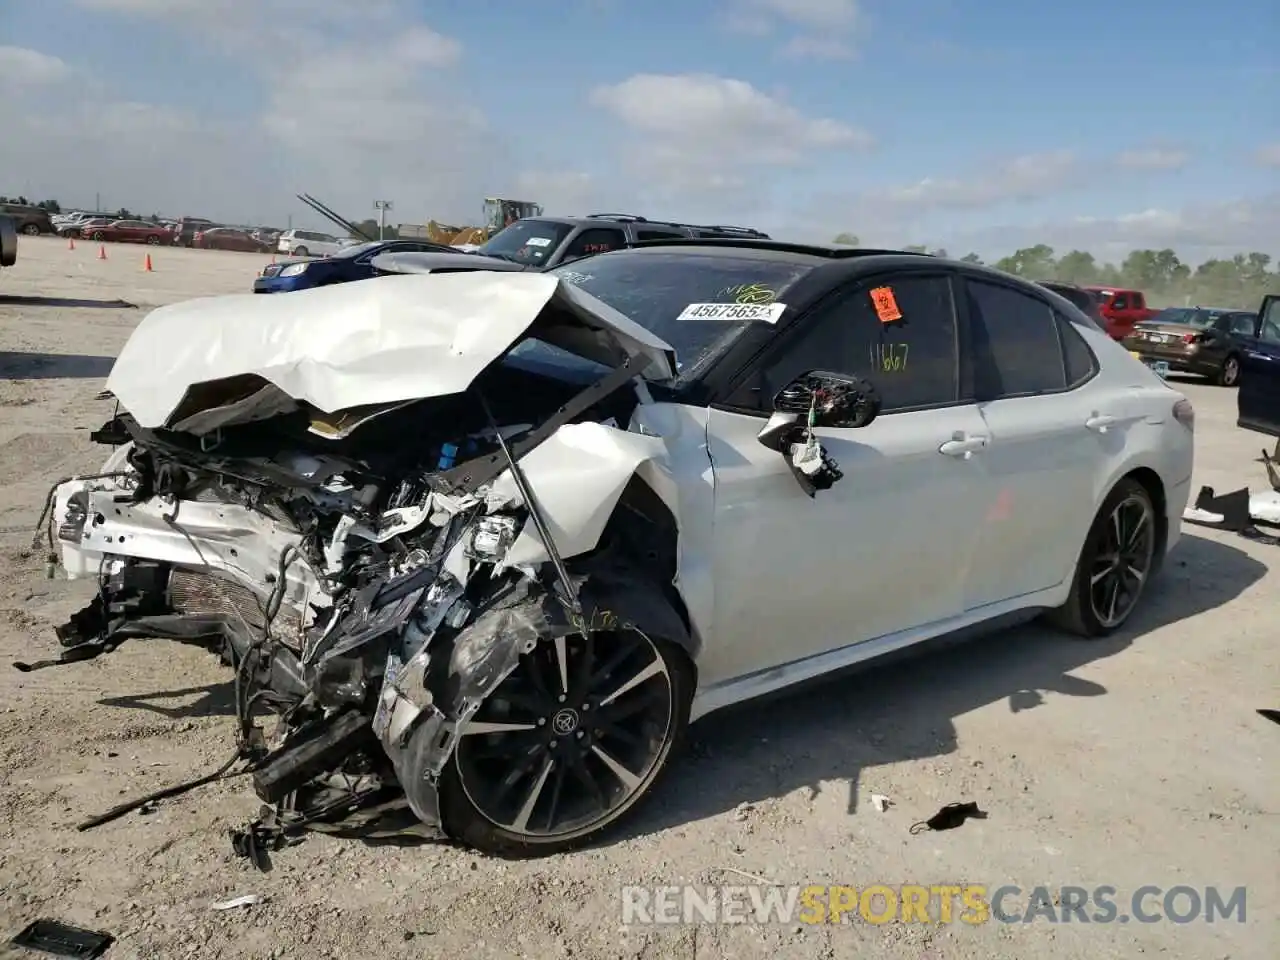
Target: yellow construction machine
{"points": [[498, 214]]}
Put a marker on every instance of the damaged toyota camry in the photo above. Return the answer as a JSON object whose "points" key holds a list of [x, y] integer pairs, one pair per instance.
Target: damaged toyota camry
{"points": [[486, 543]]}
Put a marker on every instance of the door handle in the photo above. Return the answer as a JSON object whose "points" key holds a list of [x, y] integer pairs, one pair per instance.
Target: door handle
{"points": [[962, 446], [1100, 423]]}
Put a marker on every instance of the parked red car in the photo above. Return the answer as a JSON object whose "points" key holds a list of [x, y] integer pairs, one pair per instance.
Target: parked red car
{"points": [[1121, 309], [228, 238], [132, 231]]}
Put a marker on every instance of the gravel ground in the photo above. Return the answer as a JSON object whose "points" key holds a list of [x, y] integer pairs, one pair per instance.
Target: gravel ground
{"points": [[1132, 761]]}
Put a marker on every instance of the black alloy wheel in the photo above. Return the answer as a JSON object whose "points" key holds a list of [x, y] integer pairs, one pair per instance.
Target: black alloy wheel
{"points": [[567, 743], [1116, 563]]}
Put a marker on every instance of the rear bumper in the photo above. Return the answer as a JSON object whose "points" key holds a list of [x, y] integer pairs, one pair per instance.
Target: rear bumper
{"points": [[1182, 362]]}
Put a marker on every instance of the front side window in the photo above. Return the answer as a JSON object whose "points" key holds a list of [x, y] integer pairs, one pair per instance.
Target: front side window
{"points": [[899, 333], [1015, 345]]}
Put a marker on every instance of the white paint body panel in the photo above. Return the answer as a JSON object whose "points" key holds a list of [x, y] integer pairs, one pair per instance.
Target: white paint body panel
{"points": [[383, 340]]}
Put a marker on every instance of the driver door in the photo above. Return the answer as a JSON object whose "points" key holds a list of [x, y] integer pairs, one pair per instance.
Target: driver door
{"points": [[887, 547]]}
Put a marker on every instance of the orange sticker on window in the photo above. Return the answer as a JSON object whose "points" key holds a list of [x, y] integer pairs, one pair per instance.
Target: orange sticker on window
{"points": [[886, 305]]}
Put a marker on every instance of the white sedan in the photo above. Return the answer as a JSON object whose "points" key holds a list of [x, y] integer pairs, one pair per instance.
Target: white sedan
{"points": [[491, 541]]}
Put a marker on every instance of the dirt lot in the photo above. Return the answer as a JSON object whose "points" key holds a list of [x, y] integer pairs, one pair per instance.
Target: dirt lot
{"points": [[1138, 760]]}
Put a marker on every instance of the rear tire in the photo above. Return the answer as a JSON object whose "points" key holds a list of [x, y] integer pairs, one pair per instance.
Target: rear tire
{"points": [[582, 761], [1115, 564], [97, 235], [1229, 375], [299, 251], [31, 229]]}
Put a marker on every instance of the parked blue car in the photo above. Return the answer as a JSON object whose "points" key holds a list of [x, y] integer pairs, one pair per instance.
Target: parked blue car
{"points": [[349, 263]]}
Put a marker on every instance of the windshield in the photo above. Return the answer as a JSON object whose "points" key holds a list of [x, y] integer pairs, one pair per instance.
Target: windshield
{"points": [[529, 242], [655, 290], [1189, 316]]}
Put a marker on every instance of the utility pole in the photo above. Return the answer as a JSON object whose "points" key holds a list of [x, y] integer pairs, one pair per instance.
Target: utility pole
{"points": [[382, 206]]}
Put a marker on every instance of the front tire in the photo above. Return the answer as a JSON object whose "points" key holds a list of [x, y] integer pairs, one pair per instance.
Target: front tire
{"points": [[1229, 375], [31, 229], [1117, 560], [567, 744]]}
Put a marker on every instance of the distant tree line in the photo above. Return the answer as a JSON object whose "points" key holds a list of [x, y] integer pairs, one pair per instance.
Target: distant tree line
{"points": [[1241, 281]]}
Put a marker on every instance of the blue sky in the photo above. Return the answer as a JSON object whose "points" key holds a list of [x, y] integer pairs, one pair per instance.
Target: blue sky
{"points": [[982, 126]]}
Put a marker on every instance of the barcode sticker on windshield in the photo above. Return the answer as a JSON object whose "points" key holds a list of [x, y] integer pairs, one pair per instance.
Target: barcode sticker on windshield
{"points": [[768, 312], [538, 242]]}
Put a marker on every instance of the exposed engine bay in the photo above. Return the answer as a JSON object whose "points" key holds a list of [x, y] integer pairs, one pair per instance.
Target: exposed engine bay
{"points": [[371, 576]]}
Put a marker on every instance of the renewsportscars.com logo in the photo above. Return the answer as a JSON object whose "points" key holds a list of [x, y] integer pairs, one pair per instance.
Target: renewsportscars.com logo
{"points": [[936, 904]]}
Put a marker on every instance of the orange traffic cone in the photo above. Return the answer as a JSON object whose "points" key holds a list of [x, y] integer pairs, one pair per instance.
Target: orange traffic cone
{"points": [[146, 264], [102, 251], [71, 243]]}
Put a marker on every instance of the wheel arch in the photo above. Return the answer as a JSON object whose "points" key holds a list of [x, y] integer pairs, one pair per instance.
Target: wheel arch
{"points": [[1151, 482]]}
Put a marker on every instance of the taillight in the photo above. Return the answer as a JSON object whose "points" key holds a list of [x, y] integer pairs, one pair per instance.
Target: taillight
{"points": [[1192, 338], [1185, 413]]}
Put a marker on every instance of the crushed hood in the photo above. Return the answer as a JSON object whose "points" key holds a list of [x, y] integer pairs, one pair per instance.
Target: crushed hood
{"points": [[382, 341]]}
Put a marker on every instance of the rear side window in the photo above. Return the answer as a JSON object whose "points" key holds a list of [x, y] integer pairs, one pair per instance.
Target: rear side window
{"points": [[595, 240], [1079, 359], [1120, 302], [1016, 352], [658, 235]]}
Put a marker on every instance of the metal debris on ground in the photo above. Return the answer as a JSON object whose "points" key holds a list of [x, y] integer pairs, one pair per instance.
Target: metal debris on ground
{"points": [[950, 817], [880, 802], [235, 903], [63, 940]]}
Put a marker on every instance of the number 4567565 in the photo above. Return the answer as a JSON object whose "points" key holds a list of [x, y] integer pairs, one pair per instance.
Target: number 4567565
{"points": [[889, 357]]}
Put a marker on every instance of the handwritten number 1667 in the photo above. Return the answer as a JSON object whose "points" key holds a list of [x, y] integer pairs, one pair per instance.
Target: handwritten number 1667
{"points": [[889, 357]]}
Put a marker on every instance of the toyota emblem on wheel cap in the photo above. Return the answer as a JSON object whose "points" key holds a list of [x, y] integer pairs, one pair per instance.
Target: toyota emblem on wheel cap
{"points": [[565, 722]]}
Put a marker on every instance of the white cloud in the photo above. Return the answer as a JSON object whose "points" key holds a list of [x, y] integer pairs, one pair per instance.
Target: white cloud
{"points": [[1197, 232], [359, 101], [22, 67], [1269, 155], [1153, 158], [820, 29], [1020, 179], [817, 48], [698, 143]]}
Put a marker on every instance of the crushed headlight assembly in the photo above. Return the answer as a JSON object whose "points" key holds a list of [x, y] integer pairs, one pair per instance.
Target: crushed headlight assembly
{"points": [[293, 270], [491, 538]]}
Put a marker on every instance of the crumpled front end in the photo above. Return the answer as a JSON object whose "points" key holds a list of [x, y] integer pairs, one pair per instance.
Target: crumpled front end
{"points": [[370, 576]]}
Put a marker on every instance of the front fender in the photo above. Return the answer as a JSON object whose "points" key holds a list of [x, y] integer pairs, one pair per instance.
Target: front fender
{"points": [[577, 477]]}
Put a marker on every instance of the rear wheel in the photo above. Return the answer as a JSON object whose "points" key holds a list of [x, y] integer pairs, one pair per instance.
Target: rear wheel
{"points": [[299, 251], [97, 235], [571, 741], [153, 241], [31, 229], [1229, 375], [1115, 564]]}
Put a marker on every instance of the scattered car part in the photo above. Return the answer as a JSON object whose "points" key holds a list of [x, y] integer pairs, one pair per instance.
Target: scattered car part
{"points": [[63, 940], [1272, 715], [949, 817]]}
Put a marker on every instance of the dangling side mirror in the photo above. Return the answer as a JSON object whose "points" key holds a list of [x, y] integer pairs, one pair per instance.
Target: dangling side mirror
{"points": [[824, 399]]}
